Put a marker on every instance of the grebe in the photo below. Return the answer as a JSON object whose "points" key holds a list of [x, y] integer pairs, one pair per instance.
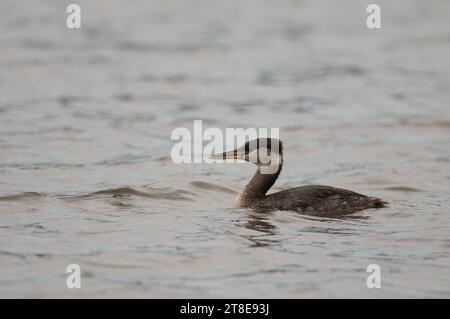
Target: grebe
{"points": [[319, 200]]}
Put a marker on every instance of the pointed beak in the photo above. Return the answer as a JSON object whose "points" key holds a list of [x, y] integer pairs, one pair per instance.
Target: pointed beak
{"points": [[235, 154]]}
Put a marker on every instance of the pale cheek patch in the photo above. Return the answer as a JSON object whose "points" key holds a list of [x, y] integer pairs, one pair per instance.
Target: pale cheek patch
{"points": [[274, 165], [259, 157], [264, 157]]}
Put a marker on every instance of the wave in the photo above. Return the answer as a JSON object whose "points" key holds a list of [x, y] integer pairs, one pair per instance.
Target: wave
{"points": [[155, 193], [402, 189], [211, 186], [23, 195]]}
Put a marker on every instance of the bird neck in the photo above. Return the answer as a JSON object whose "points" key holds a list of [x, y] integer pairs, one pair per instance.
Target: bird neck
{"points": [[258, 186]]}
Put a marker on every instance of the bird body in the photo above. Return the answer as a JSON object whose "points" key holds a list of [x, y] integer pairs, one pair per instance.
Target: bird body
{"points": [[318, 200]]}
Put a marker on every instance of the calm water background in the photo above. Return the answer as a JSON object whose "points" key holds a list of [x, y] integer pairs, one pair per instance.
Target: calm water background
{"points": [[85, 170]]}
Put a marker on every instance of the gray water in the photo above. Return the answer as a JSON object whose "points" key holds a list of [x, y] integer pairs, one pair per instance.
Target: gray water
{"points": [[86, 175]]}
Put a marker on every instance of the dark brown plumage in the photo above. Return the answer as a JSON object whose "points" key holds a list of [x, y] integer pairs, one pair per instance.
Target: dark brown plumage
{"points": [[318, 200]]}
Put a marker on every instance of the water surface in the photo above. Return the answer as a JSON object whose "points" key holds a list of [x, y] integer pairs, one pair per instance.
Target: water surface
{"points": [[85, 169]]}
